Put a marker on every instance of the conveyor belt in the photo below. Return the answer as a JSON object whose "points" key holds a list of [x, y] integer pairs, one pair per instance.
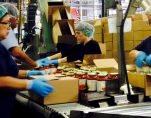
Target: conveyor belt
{"points": [[130, 110], [49, 111], [139, 109]]}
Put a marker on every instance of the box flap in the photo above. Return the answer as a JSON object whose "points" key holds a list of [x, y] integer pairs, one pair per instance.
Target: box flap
{"points": [[105, 63], [109, 65], [48, 77]]}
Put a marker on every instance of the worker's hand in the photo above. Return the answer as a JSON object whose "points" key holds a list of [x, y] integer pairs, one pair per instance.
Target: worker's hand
{"points": [[40, 86], [140, 59], [148, 60], [42, 62], [34, 72], [50, 62]]}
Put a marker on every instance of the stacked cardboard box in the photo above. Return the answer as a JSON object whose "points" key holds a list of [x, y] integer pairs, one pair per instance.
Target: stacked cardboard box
{"points": [[140, 31], [59, 17]]}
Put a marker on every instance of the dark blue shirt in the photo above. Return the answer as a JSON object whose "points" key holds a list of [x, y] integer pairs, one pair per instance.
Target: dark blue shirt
{"points": [[78, 51], [8, 67], [145, 46]]}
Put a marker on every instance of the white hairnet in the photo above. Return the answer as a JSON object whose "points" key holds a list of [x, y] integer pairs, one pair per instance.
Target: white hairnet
{"points": [[12, 9], [85, 28], [3, 11]]}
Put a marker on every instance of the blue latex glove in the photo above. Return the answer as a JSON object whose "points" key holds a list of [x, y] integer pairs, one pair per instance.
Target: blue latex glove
{"points": [[34, 72], [40, 87], [140, 59], [148, 60], [42, 62], [55, 62]]}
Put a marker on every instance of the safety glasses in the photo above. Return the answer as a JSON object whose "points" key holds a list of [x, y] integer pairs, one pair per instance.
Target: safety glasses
{"points": [[6, 24]]}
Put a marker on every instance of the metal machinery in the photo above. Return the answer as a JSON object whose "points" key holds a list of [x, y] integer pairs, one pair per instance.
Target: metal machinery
{"points": [[76, 110]]}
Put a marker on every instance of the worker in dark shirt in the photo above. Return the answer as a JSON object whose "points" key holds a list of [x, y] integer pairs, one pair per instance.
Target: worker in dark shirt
{"points": [[9, 73], [85, 45], [142, 53]]}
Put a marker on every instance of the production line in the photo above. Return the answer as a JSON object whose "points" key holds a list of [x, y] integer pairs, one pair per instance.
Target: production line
{"points": [[71, 63]]}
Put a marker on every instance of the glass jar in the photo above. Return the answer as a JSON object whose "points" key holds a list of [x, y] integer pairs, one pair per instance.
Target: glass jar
{"points": [[91, 81], [59, 70], [52, 69], [113, 76], [47, 70], [101, 81], [42, 69], [82, 80], [71, 74]]}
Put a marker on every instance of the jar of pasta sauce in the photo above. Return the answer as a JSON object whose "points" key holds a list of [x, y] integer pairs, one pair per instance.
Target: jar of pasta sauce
{"points": [[101, 81], [59, 70], [41, 69], [113, 76], [82, 80], [47, 70], [70, 73], [91, 81], [52, 69]]}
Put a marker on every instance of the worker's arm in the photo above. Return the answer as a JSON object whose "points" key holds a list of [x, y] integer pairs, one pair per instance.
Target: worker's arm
{"points": [[133, 54], [55, 56], [62, 60], [11, 82], [20, 55], [38, 86], [139, 57], [22, 74]]}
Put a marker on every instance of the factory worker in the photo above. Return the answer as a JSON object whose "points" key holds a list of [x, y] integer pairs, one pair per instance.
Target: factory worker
{"points": [[13, 12], [86, 45], [11, 42], [9, 73], [142, 53]]}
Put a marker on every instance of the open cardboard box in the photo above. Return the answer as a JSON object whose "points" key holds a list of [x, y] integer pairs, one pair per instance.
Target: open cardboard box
{"points": [[141, 80], [66, 90], [110, 65]]}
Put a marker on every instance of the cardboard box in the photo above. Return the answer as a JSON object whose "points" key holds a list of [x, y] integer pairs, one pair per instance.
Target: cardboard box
{"points": [[109, 65], [141, 35], [62, 27], [57, 10], [66, 91], [140, 25], [109, 54], [128, 45], [136, 43], [98, 25], [128, 36], [140, 80], [105, 28], [98, 37], [103, 48], [109, 46], [67, 39], [88, 58], [60, 13], [108, 37], [136, 17]]}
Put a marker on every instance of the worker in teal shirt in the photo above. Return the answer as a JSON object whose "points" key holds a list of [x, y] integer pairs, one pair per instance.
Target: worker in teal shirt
{"points": [[9, 73]]}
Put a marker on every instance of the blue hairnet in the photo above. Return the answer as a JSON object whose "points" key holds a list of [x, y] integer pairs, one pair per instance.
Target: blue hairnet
{"points": [[12, 9], [3, 11], [85, 28]]}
